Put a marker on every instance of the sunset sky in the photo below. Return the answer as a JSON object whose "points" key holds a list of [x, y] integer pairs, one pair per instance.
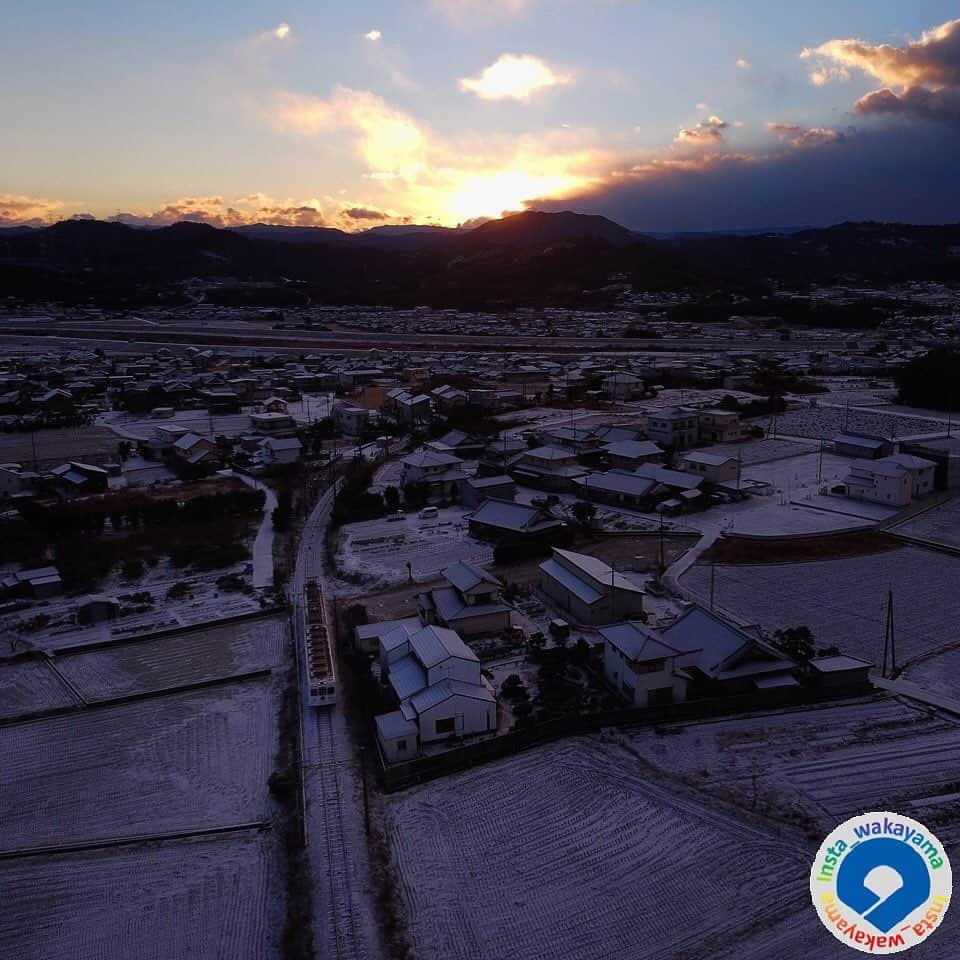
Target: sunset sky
{"points": [[663, 116]]}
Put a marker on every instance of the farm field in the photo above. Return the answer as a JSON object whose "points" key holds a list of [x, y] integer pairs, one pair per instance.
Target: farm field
{"points": [[93, 443], [174, 763], [147, 665], [827, 422], [197, 900], [30, 686], [844, 601], [941, 525], [577, 852], [819, 765], [823, 765]]}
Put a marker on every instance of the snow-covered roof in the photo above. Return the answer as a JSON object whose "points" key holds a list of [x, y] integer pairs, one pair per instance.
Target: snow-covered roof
{"points": [[393, 726], [507, 515], [407, 677], [436, 693], [615, 482], [838, 664], [431, 458], [465, 576], [633, 449], [871, 443], [374, 631], [433, 645], [708, 459], [582, 590], [638, 642], [669, 478], [596, 568], [718, 640]]}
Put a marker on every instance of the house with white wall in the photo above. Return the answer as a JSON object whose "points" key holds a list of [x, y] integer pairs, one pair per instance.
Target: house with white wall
{"points": [[439, 688]]}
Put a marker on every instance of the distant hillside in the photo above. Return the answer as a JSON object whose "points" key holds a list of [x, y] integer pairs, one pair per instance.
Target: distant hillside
{"points": [[529, 259], [540, 229]]}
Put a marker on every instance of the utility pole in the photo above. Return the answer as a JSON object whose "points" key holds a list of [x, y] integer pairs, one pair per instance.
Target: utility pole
{"points": [[820, 464], [713, 581], [889, 643], [663, 566]]}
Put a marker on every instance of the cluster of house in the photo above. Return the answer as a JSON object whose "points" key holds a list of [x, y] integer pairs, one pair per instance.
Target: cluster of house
{"points": [[439, 693], [432, 675], [610, 464], [70, 479]]}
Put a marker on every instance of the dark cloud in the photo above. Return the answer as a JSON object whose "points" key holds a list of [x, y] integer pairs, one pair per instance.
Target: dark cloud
{"points": [[922, 77], [803, 137], [708, 132], [365, 213], [906, 174], [939, 105]]}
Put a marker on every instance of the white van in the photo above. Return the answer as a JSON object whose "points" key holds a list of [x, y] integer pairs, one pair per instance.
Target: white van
{"points": [[429, 513]]}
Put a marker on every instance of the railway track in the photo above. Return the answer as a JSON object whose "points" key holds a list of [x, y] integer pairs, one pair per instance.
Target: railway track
{"points": [[341, 909]]}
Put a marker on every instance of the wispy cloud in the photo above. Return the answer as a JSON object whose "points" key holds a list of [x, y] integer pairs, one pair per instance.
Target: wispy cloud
{"points": [[801, 137], [743, 63], [470, 12], [373, 35], [282, 31], [513, 77]]}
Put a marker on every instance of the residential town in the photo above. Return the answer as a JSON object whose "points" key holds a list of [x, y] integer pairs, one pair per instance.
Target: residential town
{"points": [[438, 567]]}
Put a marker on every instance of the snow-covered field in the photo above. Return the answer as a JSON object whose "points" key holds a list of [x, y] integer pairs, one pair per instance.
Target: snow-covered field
{"points": [[30, 686], [197, 900], [844, 601], [827, 422], [940, 525], [145, 665], [823, 763], [378, 550], [179, 762], [579, 851]]}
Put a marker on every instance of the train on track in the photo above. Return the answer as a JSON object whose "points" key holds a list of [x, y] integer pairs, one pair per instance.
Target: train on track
{"points": [[319, 647]]}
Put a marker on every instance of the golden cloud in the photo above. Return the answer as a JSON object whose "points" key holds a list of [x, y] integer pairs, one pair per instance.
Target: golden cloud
{"points": [[16, 209], [513, 77], [932, 61]]}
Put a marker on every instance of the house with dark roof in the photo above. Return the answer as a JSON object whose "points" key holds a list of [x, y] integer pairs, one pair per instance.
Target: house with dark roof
{"points": [[588, 590], [698, 655], [470, 602], [474, 490], [504, 521]]}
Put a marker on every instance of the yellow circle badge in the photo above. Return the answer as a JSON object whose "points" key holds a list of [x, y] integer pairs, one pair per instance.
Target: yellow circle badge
{"points": [[881, 883]]}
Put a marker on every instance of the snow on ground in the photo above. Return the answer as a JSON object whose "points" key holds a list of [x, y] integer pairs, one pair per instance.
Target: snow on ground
{"points": [[827, 422], [820, 765], [178, 762], [146, 665], [844, 601], [378, 550], [940, 525], [197, 900], [578, 852], [30, 686], [823, 763]]}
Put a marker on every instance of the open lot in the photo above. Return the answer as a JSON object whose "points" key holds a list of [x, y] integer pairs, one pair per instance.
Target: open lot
{"points": [[197, 900], [178, 762], [844, 601], [206, 654], [579, 852]]}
